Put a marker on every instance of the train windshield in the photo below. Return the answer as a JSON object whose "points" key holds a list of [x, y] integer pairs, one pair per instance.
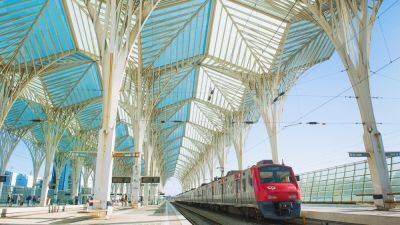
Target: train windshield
{"points": [[275, 174]]}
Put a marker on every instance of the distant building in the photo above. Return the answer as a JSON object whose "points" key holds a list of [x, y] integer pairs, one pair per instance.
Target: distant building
{"points": [[21, 181], [11, 178], [18, 180]]}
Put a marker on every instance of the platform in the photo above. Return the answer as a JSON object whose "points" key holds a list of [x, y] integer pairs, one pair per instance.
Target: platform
{"points": [[165, 214], [351, 214]]}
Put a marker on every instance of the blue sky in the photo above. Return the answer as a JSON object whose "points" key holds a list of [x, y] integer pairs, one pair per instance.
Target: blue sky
{"points": [[306, 147]]}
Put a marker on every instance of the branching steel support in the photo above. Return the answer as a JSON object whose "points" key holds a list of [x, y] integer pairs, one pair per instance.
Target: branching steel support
{"points": [[269, 102], [238, 135], [115, 43], [76, 175], [38, 154], [60, 160], [349, 26], [8, 141], [53, 129]]}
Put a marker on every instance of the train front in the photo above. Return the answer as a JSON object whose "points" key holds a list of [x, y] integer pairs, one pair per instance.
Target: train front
{"points": [[277, 192]]}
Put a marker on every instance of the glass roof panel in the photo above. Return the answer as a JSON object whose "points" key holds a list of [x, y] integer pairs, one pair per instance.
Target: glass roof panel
{"points": [[74, 85], [170, 33], [50, 34], [184, 90]]}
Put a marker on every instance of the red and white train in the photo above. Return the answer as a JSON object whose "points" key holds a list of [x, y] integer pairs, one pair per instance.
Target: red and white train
{"points": [[266, 189]]}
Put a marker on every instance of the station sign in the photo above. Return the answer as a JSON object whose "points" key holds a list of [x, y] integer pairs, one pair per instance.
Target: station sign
{"points": [[121, 180], [366, 154], [3, 179], [123, 154], [392, 154], [84, 153], [150, 180], [358, 154]]}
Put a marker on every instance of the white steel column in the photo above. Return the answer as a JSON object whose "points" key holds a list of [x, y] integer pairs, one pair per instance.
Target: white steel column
{"points": [[53, 129], [8, 142], [221, 158], [60, 160], [37, 156], [238, 134], [210, 165], [115, 43], [147, 159], [76, 175], [269, 103], [350, 29]]}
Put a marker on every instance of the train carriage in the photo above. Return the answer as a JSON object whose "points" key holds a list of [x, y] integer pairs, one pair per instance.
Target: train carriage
{"points": [[266, 188]]}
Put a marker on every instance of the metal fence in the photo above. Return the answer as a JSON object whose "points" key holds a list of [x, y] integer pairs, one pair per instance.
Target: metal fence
{"points": [[349, 183]]}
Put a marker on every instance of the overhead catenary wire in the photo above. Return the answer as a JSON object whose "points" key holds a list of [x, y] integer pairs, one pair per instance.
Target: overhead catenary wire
{"points": [[325, 103]]}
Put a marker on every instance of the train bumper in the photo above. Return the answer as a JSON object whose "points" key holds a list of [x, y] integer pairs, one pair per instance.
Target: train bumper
{"points": [[280, 210]]}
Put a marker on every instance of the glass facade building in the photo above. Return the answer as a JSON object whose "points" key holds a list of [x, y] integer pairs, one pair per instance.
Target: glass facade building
{"points": [[349, 183]]}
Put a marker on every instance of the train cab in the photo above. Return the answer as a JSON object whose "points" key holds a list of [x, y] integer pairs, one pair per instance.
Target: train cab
{"points": [[276, 190]]}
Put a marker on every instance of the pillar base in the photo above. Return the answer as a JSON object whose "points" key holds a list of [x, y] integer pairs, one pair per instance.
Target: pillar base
{"points": [[99, 214], [386, 206]]}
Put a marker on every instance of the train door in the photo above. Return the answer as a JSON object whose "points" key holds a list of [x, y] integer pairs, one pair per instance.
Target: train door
{"points": [[212, 192], [244, 189], [237, 188], [222, 191]]}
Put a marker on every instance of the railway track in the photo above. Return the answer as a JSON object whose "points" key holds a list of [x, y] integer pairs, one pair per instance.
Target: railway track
{"points": [[200, 216], [217, 218], [194, 216]]}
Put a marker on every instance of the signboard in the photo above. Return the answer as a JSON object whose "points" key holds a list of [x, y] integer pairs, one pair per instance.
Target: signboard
{"points": [[366, 154], [84, 153], [125, 154], [121, 179], [392, 154], [3, 179], [150, 180], [358, 154]]}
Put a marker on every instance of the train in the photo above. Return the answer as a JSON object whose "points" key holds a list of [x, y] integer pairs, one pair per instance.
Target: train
{"points": [[265, 190]]}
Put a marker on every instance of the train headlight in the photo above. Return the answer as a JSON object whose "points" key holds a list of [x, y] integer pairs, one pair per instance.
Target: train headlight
{"points": [[271, 197]]}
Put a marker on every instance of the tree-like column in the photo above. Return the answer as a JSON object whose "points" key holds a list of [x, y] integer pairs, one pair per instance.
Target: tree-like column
{"points": [[53, 129], [9, 139], [349, 26], [38, 155], [117, 25], [60, 160]]}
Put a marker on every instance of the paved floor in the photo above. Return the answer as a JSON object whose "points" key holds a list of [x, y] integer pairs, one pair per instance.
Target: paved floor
{"points": [[351, 214], [165, 214]]}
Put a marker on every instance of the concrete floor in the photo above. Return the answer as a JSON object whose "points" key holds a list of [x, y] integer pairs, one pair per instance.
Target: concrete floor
{"points": [[165, 214], [351, 214]]}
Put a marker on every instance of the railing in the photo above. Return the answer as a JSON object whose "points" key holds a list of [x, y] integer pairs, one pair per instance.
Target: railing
{"points": [[349, 183]]}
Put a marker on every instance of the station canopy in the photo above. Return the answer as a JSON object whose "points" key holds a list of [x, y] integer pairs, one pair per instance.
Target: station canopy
{"points": [[198, 57]]}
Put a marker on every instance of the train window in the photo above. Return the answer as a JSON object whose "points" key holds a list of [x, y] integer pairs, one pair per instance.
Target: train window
{"points": [[275, 174], [244, 184]]}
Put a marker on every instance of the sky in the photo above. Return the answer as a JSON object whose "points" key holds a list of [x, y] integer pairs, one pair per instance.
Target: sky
{"points": [[308, 148]]}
